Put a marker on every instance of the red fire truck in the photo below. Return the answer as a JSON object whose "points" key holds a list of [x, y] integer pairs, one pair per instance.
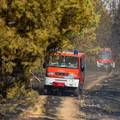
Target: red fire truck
{"points": [[65, 71], [105, 59]]}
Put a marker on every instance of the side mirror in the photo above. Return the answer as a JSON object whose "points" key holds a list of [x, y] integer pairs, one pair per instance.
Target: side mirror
{"points": [[82, 69]]}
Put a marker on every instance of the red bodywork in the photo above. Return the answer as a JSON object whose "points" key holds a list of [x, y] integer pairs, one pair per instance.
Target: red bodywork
{"points": [[106, 59], [58, 84], [66, 71]]}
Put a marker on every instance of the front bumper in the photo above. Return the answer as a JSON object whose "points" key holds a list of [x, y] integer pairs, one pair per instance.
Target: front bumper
{"points": [[66, 81], [99, 65]]}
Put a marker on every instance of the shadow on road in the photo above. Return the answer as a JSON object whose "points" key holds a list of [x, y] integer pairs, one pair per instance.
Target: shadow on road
{"points": [[17, 107]]}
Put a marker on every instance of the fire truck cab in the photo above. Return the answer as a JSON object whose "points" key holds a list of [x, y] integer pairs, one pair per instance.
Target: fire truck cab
{"points": [[105, 59], [65, 71]]}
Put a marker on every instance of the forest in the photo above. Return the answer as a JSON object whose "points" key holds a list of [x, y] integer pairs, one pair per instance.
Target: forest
{"points": [[31, 29]]}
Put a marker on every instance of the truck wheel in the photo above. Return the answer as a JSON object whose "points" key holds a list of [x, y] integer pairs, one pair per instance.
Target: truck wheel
{"points": [[81, 89], [108, 69], [77, 92], [98, 69], [47, 90]]}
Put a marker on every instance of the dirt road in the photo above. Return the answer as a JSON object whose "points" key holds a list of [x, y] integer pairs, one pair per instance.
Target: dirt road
{"points": [[101, 101], [68, 107]]}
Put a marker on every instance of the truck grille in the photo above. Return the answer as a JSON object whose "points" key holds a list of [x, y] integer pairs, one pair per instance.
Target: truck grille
{"points": [[61, 73]]}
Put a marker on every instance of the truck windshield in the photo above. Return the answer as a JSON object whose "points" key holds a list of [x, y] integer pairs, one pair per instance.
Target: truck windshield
{"points": [[105, 55], [63, 61]]}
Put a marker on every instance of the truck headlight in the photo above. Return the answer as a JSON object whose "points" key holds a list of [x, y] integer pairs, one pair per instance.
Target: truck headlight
{"points": [[50, 73]]}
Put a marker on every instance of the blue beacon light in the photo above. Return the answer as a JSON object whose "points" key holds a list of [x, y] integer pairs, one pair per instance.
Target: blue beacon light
{"points": [[76, 52]]}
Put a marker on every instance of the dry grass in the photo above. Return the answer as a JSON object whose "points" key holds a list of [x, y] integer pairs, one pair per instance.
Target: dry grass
{"points": [[20, 104]]}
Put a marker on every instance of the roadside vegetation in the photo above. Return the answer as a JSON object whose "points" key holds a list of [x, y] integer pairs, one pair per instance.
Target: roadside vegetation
{"points": [[31, 29], [103, 99]]}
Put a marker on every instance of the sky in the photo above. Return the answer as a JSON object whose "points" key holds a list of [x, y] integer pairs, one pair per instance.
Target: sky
{"points": [[110, 3]]}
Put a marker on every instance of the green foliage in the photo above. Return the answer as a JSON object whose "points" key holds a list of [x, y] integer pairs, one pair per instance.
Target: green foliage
{"points": [[13, 92], [29, 29], [83, 36]]}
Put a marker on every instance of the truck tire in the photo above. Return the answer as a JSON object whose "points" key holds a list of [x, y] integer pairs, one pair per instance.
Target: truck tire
{"points": [[81, 89], [77, 92], [47, 90], [108, 69]]}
